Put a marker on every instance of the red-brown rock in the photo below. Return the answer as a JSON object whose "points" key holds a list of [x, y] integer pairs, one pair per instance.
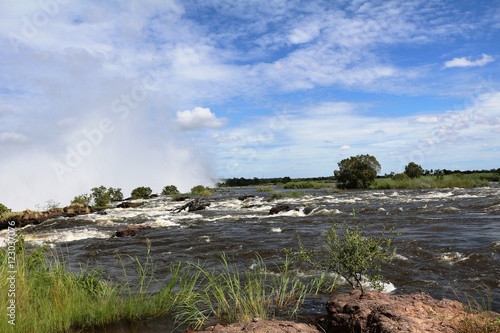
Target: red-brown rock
{"points": [[263, 326], [382, 313], [131, 230]]}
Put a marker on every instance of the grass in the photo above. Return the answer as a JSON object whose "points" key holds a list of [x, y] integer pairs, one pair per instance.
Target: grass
{"points": [[49, 298], [480, 318], [441, 181], [283, 195], [306, 184]]}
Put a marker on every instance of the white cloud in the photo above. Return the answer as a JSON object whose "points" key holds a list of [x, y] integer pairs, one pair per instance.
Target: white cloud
{"points": [[13, 137], [199, 118], [427, 119], [345, 147], [465, 62]]}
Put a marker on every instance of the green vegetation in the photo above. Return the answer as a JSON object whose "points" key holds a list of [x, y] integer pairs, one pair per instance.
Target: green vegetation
{"points": [[352, 255], [100, 197], [413, 170], [170, 190], [281, 195], [48, 298], [435, 181], [230, 296], [4, 209], [141, 192], [305, 184], [481, 319], [357, 172], [201, 191], [264, 189], [82, 199]]}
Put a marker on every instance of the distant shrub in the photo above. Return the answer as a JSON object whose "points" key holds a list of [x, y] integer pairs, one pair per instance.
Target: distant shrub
{"points": [[4, 209], [142, 192], [201, 191], [82, 199], [49, 204], [400, 177], [101, 196], [264, 189], [170, 190], [282, 195]]}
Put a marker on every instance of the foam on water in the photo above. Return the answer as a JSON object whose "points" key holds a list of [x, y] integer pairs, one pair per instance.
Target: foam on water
{"points": [[452, 257], [278, 230], [62, 236]]}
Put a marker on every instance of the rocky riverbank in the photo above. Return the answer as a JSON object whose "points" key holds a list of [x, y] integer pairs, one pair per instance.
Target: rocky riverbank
{"points": [[372, 312], [27, 217]]}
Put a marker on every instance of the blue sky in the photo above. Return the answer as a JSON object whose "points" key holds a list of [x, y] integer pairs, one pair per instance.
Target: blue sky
{"points": [[152, 93]]}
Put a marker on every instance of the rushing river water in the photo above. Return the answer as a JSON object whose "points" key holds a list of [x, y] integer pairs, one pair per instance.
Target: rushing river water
{"points": [[450, 242]]}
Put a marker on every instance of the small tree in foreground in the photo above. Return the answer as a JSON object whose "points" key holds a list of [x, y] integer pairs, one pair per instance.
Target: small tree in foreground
{"points": [[352, 254]]}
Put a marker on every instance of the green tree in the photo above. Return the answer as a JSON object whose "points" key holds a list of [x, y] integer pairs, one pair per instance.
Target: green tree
{"points": [[115, 194], [101, 196], [413, 170], [170, 190], [3, 209], [352, 254], [357, 171], [141, 192]]}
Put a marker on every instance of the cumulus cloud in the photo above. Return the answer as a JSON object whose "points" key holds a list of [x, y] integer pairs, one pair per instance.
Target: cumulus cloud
{"points": [[465, 62], [345, 147], [199, 118]]}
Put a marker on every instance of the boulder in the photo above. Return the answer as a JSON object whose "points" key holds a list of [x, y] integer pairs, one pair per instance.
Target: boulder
{"points": [[128, 204], [193, 205], [131, 230], [245, 196], [281, 208], [76, 209], [382, 313]]}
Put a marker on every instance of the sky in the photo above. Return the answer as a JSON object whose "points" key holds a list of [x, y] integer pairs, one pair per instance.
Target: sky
{"points": [[154, 93]]}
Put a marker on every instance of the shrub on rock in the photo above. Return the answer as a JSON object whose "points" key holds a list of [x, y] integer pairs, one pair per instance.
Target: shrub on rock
{"points": [[170, 190], [142, 192]]}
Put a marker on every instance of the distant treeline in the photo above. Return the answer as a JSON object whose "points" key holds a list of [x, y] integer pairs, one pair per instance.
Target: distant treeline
{"points": [[266, 181], [283, 180], [447, 172]]}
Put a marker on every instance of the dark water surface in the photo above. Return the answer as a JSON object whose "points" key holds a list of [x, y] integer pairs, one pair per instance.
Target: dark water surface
{"points": [[450, 242]]}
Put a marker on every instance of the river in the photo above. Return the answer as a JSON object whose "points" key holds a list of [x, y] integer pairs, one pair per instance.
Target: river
{"points": [[449, 246]]}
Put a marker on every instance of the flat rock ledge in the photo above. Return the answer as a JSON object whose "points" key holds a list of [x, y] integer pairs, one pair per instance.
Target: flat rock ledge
{"points": [[263, 326], [370, 312], [383, 313]]}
